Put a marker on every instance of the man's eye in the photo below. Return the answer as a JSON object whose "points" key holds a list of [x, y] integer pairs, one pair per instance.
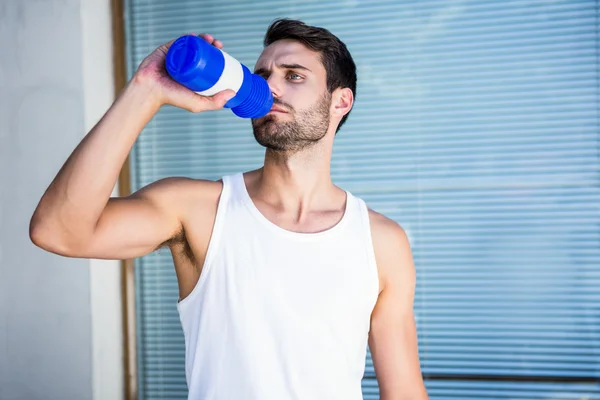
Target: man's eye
{"points": [[294, 77]]}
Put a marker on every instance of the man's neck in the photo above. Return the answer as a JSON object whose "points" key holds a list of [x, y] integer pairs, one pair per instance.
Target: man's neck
{"points": [[295, 181]]}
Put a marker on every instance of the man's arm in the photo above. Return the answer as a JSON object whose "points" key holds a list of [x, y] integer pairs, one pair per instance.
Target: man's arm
{"points": [[393, 336], [76, 216]]}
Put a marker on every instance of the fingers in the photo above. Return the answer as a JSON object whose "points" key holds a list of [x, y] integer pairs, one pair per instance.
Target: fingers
{"points": [[223, 97], [206, 36], [196, 103], [211, 39], [217, 101], [165, 47]]}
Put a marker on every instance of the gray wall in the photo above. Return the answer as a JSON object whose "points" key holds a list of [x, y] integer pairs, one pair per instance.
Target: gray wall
{"points": [[45, 315]]}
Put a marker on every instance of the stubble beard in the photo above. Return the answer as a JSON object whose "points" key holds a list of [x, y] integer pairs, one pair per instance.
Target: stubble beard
{"points": [[306, 129]]}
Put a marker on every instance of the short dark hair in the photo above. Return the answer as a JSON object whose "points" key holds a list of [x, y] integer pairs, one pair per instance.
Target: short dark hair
{"points": [[338, 63]]}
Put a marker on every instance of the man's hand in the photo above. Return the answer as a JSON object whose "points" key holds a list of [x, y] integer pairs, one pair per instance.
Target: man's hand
{"points": [[153, 74]]}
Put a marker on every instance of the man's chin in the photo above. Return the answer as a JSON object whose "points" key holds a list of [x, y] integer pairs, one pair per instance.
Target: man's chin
{"points": [[269, 143], [268, 135], [267, 126], [261, 123]]}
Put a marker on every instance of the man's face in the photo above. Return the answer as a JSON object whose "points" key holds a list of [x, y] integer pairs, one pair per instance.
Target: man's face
{"points": [[300, 115]]}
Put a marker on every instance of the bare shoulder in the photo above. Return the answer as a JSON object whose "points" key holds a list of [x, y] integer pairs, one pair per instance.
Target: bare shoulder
{"points": [[180, 190], [388, 235], [191, 202], [392, 249]]}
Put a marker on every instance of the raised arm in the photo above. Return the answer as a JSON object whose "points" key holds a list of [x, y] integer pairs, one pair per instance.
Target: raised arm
{"points": [[393, 337], [76, 216]]}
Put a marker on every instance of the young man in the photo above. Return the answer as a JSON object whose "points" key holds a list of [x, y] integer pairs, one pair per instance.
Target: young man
{"points": [[283, 277]]}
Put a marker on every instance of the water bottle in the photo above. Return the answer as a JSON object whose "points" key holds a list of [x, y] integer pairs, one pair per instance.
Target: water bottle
{"points": [[207, 70]]}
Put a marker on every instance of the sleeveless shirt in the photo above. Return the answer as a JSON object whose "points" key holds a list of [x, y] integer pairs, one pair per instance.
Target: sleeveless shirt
{"points": [[278, 314]]}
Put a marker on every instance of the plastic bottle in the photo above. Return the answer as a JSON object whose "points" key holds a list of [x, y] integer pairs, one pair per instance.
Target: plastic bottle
{"points": [[205, 69]]}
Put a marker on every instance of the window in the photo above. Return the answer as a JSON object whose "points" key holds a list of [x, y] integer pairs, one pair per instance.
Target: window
{"points": [[476, 128]]}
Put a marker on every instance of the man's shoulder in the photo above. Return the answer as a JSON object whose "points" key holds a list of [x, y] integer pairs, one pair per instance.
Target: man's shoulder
{"points": [[384, 227], [186, 191], [391, 245], [186, 183], [181, 192]]}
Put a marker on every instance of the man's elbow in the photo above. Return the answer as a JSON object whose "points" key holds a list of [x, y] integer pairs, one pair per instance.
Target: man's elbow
{"points": [[51, 237], [41, 236]]}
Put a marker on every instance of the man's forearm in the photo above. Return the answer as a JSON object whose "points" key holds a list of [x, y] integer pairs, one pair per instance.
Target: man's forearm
{"points": [[78, 194]]}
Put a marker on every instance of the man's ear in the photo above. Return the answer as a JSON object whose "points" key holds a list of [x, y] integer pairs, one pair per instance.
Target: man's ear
{"points": [[342, 101]]}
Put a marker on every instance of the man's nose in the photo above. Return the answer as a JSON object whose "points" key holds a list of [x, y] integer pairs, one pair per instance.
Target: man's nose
{"points": [[274, 85]]}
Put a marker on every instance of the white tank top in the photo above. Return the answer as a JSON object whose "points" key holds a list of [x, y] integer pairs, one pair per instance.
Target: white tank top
{"points": [[277, 314]]}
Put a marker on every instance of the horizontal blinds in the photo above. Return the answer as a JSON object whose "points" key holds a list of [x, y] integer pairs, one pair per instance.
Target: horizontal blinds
{"points": [[475, 128]]}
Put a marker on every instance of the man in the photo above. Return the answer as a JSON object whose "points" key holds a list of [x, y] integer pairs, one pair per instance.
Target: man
{"points": [[283, 277]]}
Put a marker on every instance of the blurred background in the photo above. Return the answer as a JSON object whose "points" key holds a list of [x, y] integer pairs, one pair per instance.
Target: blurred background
{"points": [[476, 127]]}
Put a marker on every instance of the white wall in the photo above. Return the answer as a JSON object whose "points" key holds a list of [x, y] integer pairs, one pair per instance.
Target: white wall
{"points": [[105, 281], [60, 319]]}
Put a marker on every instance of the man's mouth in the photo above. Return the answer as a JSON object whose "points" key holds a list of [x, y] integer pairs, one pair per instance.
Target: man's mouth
{"points": [[278, 109]]}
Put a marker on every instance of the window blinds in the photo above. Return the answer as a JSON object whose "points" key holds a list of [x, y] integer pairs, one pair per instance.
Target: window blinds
{"points": [[475, 128]]}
